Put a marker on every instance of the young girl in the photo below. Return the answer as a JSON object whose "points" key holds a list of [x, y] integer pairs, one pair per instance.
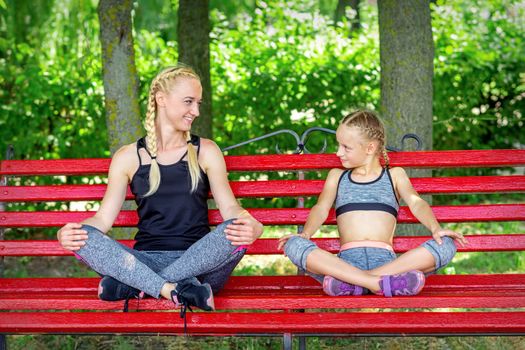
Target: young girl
{"points": [[366, 196], [170, 172]]}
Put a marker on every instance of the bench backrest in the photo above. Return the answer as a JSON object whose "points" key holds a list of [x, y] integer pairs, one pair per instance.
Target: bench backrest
{"points": [[16, 170]]}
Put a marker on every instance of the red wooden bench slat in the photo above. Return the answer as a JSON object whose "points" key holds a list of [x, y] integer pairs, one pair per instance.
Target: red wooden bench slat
{"points": [[469, 184], [420, 159], [274, 216], [259, 323], [273, 293], [477, 243], [269, 301], [274, 188], [81, 166], [252, 285], [417, 159]]}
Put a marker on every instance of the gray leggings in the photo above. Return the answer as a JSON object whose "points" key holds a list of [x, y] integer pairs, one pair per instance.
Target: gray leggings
{"points": [[366, 258], [211, 259]]}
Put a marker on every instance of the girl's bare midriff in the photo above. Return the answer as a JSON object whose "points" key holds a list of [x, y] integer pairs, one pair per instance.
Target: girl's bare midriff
{"points": [[366, 226]]}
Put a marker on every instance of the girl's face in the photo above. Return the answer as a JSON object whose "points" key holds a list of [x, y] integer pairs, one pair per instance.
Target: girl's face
{"points": [[180, 106], [352, 146]]}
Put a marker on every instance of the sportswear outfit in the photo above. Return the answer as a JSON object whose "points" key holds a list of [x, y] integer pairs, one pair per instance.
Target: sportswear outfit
{"points": [[173, 243], [378, 195]]}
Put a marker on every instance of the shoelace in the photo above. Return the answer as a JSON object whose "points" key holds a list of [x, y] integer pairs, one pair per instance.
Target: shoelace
{"points": [[184, 306], [126, 302]]}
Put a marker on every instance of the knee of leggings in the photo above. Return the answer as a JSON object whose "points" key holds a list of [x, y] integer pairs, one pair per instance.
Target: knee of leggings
{"points": [[296, 248], [92, 231], [443, 253], [222, 226]]}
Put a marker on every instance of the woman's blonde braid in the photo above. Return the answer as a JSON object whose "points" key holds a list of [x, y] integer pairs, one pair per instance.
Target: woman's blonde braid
{"points": [[151, 140]]}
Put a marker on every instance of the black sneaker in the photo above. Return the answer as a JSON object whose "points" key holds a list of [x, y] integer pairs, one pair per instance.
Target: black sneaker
{"points": [[189, 294], [109, 289]]}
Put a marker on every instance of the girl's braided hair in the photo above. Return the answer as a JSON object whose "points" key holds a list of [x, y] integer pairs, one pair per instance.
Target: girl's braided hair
{"points": [[372, 128]]}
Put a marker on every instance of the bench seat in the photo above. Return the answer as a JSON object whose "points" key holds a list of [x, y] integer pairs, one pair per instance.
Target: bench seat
{"points": [[273, 293], [284, 305]]}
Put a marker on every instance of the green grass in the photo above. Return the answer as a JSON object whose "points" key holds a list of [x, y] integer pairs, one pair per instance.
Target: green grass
{"points": [[312, 343]]}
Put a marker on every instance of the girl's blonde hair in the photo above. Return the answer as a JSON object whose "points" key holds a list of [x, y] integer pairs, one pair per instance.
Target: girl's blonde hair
{"points": [[372, 128], [163, 82]]}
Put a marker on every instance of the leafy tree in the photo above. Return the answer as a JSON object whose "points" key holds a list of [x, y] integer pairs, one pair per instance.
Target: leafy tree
{"points": [[294, 70], [193, 37], [407, 51], [50, 83], [479, 85], [120, 74], [275, 64]]}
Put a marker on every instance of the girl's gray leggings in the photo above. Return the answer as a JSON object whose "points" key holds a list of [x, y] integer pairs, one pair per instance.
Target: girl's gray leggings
{"points": [[298, 248], [211, 259]]}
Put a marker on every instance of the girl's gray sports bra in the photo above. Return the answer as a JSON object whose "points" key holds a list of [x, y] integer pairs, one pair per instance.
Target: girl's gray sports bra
{"points": [[378, 194]]}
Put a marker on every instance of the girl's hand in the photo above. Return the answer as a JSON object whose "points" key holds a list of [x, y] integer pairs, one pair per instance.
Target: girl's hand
{"points": [[243, 231], [443, 232], [284, 239], [71, 237]]}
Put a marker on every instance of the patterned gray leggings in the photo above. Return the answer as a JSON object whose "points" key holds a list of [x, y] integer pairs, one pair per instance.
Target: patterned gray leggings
{"points": [[211, 260]]}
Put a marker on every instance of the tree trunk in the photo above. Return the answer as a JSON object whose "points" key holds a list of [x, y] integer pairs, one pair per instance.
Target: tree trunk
{"points": [[120, 74], [120, 82], [340, 12], [406, 53], [193, 33]]}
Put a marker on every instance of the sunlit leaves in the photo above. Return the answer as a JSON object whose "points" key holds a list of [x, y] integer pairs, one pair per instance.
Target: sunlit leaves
{"points": [[478, 96], [287, 59]]}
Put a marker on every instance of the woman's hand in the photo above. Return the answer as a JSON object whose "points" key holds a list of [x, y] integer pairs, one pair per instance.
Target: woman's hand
{"points": [[439, 233], [72, 237], [243, 231], [284, 239]]}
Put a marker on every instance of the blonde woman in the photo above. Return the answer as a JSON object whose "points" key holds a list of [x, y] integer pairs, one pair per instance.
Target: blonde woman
{"points": [[170, 173]]}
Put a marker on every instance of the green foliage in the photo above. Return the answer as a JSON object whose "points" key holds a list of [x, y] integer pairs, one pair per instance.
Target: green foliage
{"points": [[156, 16], [51, 89], [479, 85], [275, 64], [152, 54], [294, 70]]}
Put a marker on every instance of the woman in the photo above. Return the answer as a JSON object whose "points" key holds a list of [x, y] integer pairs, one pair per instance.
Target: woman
{"points": [[170, 172]]}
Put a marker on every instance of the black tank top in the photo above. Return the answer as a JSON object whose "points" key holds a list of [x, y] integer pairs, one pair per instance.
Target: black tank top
{"points": [[172, 218]]}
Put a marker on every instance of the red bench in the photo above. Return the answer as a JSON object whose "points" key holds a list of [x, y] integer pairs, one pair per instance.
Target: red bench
{"points": [[482, 304]]}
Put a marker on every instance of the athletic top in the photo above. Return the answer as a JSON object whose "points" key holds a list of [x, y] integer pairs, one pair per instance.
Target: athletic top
{"points": [[378, 194], [172, 218]]}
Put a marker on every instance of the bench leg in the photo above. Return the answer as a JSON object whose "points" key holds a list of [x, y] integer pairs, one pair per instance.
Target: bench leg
{"points": [[3, 342], [302, 343], [287, 341]]}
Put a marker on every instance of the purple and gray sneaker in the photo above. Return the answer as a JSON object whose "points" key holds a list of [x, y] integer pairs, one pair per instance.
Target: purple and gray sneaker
{"points": [[335, 287], [407, 283]]}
